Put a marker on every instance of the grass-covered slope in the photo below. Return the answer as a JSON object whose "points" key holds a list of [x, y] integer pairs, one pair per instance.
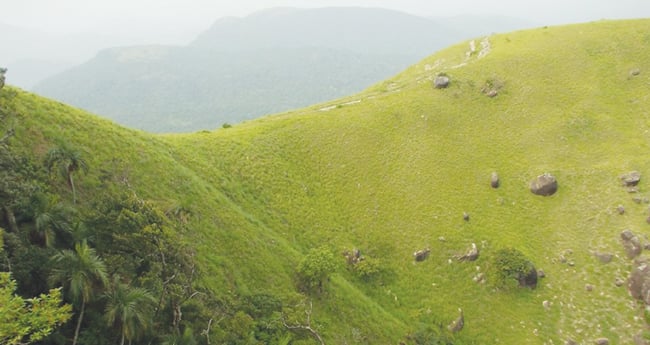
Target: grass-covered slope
{"points": [[391, 171]]}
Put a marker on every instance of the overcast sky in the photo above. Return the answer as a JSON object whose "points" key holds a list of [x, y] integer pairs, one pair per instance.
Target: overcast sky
{"points": [[175, 17]]}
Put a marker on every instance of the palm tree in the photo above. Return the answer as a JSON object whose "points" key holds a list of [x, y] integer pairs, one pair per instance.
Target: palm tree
{"points": [[129, 309], [50, 217], [81, 272], [69, 160]]}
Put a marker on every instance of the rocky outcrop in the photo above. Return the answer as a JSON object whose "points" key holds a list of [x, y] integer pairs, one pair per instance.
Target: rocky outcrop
{"points": [[639, 281], [544, 185]]}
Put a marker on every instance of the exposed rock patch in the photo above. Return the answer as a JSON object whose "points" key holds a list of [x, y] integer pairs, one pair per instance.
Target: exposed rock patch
{"points": [[545, 185]]}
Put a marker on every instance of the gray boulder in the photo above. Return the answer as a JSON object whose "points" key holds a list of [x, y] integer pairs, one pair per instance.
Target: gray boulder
{"points": [[631, 243], [544, 185], [422, 255], [494, 180], [638, 283], [631, 179], [441, 82]]}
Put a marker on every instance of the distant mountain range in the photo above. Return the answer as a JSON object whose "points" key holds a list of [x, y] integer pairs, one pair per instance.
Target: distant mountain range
{"points": [[243, 68]]}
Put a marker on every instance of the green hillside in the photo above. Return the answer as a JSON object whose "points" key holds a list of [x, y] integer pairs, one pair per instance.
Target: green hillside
{"points": [[391, 171]]}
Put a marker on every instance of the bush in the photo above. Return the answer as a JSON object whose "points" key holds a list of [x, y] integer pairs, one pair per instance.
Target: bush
{"points": [[510, 264], [315, 269]]}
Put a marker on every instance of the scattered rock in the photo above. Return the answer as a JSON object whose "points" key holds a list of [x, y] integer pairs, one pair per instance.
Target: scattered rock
{"points": [[442, 239], [441, 82], [479, 278], [637, 199], [570, 342], [620, 209], [465, 216], [631, 179], [544, 185], [422, 255], [471, 255], [631, 243], [639, 281], [635, 72], [353, 257], [492, 93], [494, 180], [547, 305], [541, 274], [589, 287], [601, 341], [458, 324], [604, 257], [571, 263]]}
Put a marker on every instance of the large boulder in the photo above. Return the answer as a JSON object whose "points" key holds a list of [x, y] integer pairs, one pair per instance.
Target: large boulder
{"points": [[544, 185], [639, 281], [631, 243]]}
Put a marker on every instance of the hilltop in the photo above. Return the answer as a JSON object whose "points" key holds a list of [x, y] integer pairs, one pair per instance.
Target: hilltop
{"points": [[395, 169], [243, 68]]}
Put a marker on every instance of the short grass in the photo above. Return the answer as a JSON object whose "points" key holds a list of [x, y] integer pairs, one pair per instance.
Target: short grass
{"points": [[391, 171]]}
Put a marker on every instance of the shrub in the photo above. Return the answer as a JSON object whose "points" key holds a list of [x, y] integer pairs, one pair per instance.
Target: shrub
{"points": [[315, 268], [510, 264]]}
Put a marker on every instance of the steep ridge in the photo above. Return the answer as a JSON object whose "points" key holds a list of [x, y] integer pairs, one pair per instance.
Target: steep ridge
{"points": [[392, 170]]}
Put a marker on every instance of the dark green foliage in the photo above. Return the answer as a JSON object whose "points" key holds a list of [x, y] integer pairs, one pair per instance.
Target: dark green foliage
{"points": [[510, 264], [315, 269]]}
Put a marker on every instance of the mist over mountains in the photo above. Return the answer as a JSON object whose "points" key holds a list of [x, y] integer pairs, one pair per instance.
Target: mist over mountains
{"points": [[243, 68]]}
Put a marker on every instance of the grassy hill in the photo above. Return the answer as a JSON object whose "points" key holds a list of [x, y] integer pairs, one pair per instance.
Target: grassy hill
{"points": [[392, 170]]}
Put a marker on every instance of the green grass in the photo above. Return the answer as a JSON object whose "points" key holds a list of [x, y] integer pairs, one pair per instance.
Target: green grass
{"points": [[394, 172]]}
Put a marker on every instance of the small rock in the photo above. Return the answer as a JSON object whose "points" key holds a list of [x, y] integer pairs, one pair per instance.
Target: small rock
{"points": [[635, 72], [620, 209], [601, 341], [494, 180], [422, 255], [479, 278], [570, 342], [541, 274], [442, 239], [465, 216], [544, 185], [563, 259], [647, 220], [604, 257], [589, 287], [441, 82], [619, 282], [471, 254], [639, 280], [571, 263], [637, 199], [492, 93], [631, 179], [546, 305]]}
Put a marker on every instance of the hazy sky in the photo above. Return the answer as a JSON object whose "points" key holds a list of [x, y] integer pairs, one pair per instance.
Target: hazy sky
{"points": [[143, 17]]}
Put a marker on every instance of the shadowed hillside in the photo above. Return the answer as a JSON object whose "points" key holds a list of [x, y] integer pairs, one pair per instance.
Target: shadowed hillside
{"points": [[404, 167]]}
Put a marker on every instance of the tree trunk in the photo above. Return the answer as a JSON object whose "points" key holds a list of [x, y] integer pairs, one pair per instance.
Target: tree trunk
{"points": [[11, 219], [122, 341], [81, 316], [74, 192]]}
